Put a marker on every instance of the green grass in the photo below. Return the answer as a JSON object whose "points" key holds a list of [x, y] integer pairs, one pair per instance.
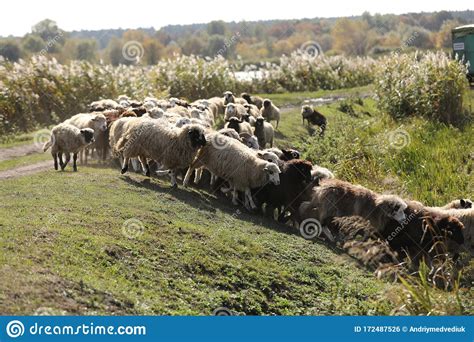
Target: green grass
{"points": [[64, 249]]}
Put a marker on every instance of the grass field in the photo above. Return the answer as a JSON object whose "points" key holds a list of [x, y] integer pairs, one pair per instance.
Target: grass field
{"points": [[96, 242]]}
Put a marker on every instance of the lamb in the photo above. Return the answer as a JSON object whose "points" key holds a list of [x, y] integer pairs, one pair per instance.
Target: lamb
{"points": [[314, 117], [234, 109], [174, 148], [270, 112], [336, 198], [237, 164], [264, 132], [239, 126], [253, 100], [230, 98], [295, 176], [96, 121], [67, 139]]}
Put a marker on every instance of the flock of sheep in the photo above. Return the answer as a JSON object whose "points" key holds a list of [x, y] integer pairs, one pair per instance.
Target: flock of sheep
{"points": [[176, 138]]}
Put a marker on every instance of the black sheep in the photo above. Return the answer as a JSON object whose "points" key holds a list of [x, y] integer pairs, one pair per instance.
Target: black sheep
{"points": [[294, 179], [314, 117]]}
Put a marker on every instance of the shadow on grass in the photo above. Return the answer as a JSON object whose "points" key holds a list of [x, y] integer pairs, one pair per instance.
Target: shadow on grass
{"points": [[196, 197]]}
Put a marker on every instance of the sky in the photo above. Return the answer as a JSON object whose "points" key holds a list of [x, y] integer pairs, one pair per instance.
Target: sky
{"points": [[18, 16]]}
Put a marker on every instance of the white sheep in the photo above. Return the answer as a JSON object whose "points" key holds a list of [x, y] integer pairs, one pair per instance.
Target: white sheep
{"points": [[230, 98], [174, 148], [236, 163], [234, 110], [67, 139], [253, 110], [181, 111], [101, 105], [319, 172], [219, 103], [270, 112], [96, 121]]}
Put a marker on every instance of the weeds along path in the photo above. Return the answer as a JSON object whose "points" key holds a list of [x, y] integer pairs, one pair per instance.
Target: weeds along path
{"points": [[18, 151], [26, 170]]}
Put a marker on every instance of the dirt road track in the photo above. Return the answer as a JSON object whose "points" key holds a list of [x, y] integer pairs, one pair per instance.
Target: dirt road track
{"points": [[18, 151], [26, 170]]}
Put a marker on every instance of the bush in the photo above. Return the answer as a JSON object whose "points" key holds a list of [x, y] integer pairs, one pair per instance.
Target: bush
{"points": [[430, 85]]}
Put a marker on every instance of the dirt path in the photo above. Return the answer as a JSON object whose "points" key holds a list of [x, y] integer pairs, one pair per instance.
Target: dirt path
{"points": [[26, 170], [19, 151]]}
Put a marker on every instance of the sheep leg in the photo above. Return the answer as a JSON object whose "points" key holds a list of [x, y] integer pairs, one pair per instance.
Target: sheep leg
{"points": [[135, 165], [213, 179], [248, 195], [124, 165], [198, 175], [188, 176], [60, 159], [174, 183], [235, 197], [63, 165], [55, 158], [74, 160], [145, 166]]}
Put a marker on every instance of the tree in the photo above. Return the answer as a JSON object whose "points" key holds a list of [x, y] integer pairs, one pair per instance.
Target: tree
{"points": [[444, 36], [10, 51], [49, 31], [154, 50], [351, 36], [85, 50], [216, 28], [33, 43]]}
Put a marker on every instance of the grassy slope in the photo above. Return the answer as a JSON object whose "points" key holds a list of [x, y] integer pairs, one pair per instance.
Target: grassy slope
{"points": [[64, 247]]}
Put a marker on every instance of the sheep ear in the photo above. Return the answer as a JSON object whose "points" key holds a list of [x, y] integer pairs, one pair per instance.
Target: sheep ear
{"points": [[260, 154]]}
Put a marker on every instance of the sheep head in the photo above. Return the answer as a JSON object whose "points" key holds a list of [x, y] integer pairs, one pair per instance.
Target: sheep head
{"points": [[196, 136], [289, 154], [273, 173], [393, 206], [88, 135]]}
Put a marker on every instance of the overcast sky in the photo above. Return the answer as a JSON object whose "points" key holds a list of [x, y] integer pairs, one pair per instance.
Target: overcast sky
{"points": [[18, 16]]}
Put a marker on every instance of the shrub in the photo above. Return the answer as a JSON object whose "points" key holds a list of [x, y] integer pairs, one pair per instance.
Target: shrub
{"points": [[430, 85]]}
